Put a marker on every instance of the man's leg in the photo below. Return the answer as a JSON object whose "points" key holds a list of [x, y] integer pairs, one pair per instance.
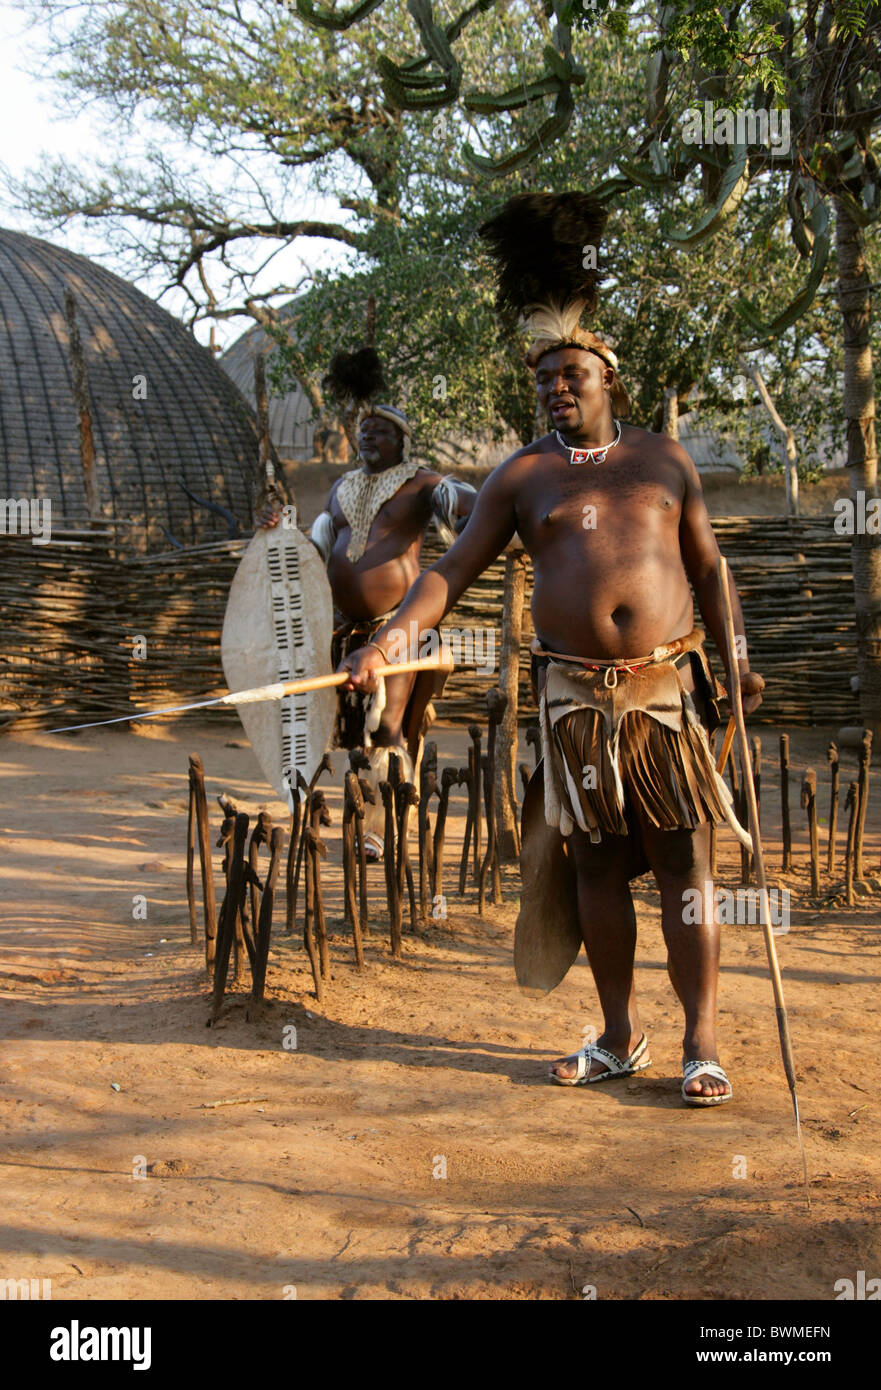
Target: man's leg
{"points": [[680, 860], [608, 926]]}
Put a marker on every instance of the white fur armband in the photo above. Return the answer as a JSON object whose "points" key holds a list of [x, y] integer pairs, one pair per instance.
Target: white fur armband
{"points": [[323, 535], [445, 508]]}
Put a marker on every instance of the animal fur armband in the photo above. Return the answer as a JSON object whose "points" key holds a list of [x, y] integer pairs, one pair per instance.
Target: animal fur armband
{"points": [[323, 535], [445, 508]]}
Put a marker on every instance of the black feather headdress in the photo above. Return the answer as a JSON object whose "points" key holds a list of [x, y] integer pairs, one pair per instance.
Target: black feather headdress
{"points": [[538, 242], [546, 278], [355, 378]]}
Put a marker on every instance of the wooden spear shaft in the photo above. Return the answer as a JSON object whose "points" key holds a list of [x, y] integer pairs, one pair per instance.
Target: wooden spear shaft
{"points": [[759, 860], [261, 693]]}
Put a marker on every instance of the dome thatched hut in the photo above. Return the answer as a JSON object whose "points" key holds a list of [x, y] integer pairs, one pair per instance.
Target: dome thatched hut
{"points": [[164, 416]]}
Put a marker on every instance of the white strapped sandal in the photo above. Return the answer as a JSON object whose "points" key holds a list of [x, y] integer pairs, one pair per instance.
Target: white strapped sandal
{"points": [[691, 1070], [614, 1066]]}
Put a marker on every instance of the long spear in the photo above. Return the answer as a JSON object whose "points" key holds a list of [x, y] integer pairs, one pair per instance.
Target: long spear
{"points": [[277, 691], [759, 860]]}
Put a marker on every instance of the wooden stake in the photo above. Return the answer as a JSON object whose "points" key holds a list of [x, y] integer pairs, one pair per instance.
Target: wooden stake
{"points": [[851, 803], [809, 804], [784, 803], [865, 763], [832, 755], [197, 783], [191, 857], [449, 779], [264, 922], [387, 793], [229, 912], [427, 789], [476, 765]]}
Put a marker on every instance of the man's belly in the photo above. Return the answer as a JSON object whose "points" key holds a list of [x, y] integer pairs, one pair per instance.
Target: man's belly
{"points": [[626, 613], [360, 591]]}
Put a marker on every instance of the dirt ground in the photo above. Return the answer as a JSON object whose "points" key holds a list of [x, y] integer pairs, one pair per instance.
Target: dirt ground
{"points": [[409, 1146]]}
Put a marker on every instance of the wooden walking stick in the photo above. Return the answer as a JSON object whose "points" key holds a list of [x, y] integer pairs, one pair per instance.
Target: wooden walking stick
{"points": [[774, 966], [832, 755]]}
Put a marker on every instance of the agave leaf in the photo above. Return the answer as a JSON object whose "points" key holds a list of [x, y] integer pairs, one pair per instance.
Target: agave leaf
{"points": [[800, 231], [822, 244], [643, 174], [513, 99], [735, 182], [320, 17], [553, 128]]}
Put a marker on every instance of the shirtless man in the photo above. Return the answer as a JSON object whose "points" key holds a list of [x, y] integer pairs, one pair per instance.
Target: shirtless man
{"points": [[370, 572], [609, 590]]}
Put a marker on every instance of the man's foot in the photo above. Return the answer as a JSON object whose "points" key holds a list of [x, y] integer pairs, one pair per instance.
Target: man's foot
{"points": [[705, 1083], [600, 1061]]}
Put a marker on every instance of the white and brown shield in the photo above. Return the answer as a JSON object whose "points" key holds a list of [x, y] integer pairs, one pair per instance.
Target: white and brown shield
{"points": [[278, 627]]}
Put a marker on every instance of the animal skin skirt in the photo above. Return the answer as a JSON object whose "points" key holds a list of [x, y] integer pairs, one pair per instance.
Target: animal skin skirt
{"points": [[626, 738]]}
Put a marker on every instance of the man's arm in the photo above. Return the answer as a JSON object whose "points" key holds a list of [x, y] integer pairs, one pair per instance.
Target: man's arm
{"points": [[700, 556], [492, 523]]}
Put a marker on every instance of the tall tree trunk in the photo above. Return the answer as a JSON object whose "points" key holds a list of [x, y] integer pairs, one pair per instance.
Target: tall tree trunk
{"points": [[671, 412], [862, 459]]}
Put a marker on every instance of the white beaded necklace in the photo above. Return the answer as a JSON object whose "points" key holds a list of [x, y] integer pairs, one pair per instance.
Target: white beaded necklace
{"points": [[592, 455]]}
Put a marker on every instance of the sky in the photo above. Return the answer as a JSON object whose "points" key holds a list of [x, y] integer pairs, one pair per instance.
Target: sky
{"points": [[34, 123]]}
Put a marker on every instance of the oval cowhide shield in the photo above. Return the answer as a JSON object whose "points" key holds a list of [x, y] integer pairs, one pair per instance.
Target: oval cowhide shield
{"points": [[278, 627]]}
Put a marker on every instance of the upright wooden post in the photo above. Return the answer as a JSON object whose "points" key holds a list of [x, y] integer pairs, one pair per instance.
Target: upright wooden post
{"points": [[263, 926], [865, 762], [235, 888], [784, 803], [197, 783], [851, 803], [832, 755], [809, 803], [191, 855]]}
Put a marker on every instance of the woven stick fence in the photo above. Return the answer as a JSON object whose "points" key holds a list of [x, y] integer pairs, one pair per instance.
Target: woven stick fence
{"points": [[88, 631]]}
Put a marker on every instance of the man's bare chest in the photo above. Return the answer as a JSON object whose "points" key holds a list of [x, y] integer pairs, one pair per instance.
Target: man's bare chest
{"points": [[558, 498]]}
